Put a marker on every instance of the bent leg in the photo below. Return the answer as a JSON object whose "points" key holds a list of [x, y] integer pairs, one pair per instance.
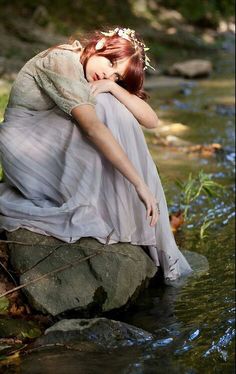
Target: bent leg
{"points": [[160, 239]]}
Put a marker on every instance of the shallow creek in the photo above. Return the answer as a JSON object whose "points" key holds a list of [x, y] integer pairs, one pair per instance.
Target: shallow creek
{"points": [[194, 324]]}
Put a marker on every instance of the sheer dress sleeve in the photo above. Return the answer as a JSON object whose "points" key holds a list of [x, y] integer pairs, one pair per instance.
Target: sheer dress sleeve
{"points": [[60, 75]]}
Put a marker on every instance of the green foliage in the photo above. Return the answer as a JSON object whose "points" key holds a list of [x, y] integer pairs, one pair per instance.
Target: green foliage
{"points": [[192, 189], [3, 104], [206, 12], [19, 328], [4, 304], [158, 50], [202, 184], [68, 16], [31, 333], [203, 228], [71, 16]]}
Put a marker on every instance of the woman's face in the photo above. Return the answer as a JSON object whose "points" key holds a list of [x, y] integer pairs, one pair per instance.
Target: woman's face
{"points": [[99, 67]]}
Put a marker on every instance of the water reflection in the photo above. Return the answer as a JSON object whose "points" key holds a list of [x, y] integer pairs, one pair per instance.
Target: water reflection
{"points": [[222, 343]]}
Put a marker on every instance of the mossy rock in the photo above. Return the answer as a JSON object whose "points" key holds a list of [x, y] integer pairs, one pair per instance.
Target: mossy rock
{"points": [[109, 280]]}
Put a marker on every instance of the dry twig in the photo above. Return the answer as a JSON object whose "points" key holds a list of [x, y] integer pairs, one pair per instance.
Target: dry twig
{"points": [[61, 268], [10, 275]]}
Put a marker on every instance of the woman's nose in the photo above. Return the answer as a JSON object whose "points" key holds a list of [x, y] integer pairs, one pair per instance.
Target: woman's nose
{"points": [[112, 77], [110, 74]]}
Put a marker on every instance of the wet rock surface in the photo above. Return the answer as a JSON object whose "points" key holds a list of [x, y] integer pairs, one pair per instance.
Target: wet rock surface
{"points": [[97, 284], [191, 69], [103, 332], [151, 83]]}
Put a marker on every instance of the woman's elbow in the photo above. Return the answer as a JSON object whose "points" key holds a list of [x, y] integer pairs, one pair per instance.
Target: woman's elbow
{"points": [[153, 122]]}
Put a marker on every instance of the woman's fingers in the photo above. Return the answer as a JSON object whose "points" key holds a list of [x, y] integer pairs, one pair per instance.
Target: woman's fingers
{"points": [[150, 203], [154, 217], [149, 209], [102, 85], [154, 214], [151, 212]]}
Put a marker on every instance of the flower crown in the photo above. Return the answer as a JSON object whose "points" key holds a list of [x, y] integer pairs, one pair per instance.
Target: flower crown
{"points": [[127, 34]]}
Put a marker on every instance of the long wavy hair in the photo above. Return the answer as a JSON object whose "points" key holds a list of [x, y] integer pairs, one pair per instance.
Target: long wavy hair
{"points": [[117, 48]]}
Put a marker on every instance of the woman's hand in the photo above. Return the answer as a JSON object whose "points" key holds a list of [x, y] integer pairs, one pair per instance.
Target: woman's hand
{"points": [[102, 85], [104, 140], [145, 115], [150, 202]]}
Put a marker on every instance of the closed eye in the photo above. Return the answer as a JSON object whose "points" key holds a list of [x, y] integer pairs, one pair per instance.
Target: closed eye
{"points": [[112, 63], [118, 77]]}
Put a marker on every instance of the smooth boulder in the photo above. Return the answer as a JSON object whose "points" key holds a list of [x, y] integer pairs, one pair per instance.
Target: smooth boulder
{"points": [[101, 332], [110, 279], [191, 69]]}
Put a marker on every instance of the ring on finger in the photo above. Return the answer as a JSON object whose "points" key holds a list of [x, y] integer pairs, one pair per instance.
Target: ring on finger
{"points": [[158, 208]]}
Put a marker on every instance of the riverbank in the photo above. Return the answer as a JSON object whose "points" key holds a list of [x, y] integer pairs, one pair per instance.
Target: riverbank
{"points": [[194, 325]]}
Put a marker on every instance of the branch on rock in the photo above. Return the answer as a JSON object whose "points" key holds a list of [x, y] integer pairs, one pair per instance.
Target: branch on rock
{"points": [[57, 270], [8, 273]]}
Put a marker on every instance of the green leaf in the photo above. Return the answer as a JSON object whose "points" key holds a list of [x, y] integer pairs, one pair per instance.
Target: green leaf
{"points": [[179, 184], [32, 333], [208, 192], [203, 228], [4, 304]]}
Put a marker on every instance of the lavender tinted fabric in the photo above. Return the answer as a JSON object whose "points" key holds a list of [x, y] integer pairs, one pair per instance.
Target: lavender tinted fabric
{"points": [[57, 183]]}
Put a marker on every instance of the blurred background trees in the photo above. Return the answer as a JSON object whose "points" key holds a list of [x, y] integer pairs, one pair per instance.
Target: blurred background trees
{"points": [[91, 13], [202, 13]]}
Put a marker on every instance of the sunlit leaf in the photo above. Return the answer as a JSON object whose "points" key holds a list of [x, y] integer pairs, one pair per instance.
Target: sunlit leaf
{"points": [[8, 360], [32, 333], [194, 187], [203, 228]]}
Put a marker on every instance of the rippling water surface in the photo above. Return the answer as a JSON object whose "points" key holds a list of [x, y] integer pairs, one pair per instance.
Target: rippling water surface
{"points": [[196, 324]]}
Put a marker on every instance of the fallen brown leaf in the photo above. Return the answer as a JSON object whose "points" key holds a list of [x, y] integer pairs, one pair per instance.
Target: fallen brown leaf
{"points": [[176, 220], [16, 310]]}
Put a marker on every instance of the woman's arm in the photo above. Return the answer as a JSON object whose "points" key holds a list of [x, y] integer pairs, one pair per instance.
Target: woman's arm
{"points": [[138, 107], [102, 137]]}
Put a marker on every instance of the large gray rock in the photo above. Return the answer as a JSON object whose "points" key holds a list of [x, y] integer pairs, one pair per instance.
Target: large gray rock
{"points": [[101, 332], [153, 83], [104, 282], [191, 69]]}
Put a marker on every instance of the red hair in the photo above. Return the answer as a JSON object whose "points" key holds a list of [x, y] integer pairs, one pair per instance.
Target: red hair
{"points": [[117, 48]]}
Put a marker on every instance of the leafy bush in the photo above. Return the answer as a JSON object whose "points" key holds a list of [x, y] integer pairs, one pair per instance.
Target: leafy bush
{"points": [[202, 184], [205, 13]]}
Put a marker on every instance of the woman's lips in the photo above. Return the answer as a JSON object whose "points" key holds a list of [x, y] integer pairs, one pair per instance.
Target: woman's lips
{"points": [[96, 77]]}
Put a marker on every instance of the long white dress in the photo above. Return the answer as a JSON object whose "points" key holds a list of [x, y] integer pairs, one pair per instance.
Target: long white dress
{"points": [[55, 180]]}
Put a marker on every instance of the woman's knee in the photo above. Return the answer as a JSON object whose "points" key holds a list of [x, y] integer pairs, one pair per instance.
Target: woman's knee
{"points": [[106, 98], [108, 106]]}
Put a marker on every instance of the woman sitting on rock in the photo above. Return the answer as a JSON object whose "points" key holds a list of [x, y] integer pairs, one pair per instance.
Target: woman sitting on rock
{"points": [[75, 160]]}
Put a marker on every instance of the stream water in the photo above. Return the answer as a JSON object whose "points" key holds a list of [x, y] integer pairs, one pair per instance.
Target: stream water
{"points": [[194, 324]]}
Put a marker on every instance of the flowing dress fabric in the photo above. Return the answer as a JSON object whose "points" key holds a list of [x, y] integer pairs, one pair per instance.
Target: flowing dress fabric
{"points": [[57, 183]]}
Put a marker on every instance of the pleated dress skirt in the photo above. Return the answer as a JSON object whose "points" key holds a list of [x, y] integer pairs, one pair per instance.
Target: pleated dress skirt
{"points": [[57, 183]]}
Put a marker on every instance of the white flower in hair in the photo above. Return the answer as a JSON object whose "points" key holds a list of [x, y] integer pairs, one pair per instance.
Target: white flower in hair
{"points": [[129, 34], [100, 44]]}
